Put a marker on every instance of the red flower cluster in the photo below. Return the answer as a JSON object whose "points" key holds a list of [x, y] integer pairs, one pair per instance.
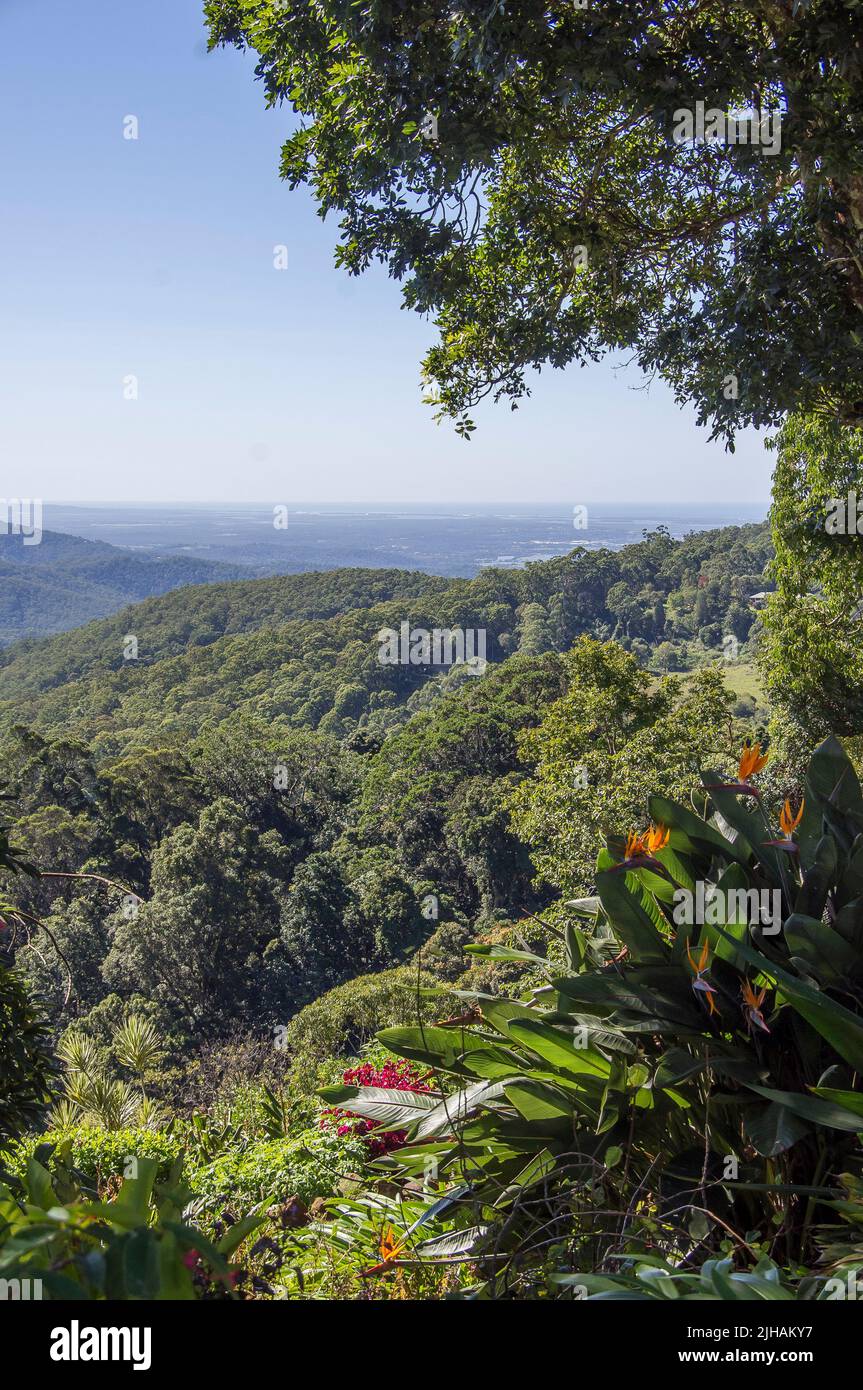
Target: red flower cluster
{"points": [[393, 1076]]}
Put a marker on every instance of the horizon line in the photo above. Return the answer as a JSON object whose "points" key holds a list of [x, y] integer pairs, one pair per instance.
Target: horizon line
{"points": [[395, 502]]}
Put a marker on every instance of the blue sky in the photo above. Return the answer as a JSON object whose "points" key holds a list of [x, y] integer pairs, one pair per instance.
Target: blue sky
{"points": [[154, 259]]}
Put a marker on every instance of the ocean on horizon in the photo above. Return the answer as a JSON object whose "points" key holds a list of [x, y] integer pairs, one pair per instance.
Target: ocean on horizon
{"points": [[449, 539]]}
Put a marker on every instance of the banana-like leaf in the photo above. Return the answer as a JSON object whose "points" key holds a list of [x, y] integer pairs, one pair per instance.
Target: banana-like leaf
{"points": [[849, 1101], [40, 1192], [819, 1112], [818, 879], [677, 867], [831, 787], [733, 880], [537, 1169], [500, 1013], [390, 1107], [630, 922], [676, 1066], [752, 829], [701, 834], [234, 1237], [436, 1047], [828, 956], [451, 1111], [557, 1047], [848, 922], [454, 1243], [493, 1062], [535, 1100]]}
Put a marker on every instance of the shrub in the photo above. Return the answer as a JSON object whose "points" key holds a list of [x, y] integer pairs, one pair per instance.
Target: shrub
{"points": [[337, 1024], [308, 1166], [100, 1154]]}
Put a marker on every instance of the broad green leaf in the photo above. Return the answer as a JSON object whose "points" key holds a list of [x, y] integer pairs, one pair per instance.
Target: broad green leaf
{"points": [[675, 1066], [451, 1111], [39, 1188], [236, 1234], [818, 879], [392, 1108], [629, 920], [696, 830], [849, 1101], [436, 1047], [773, 1128], [454, 1243], [819, 1112], [557, 1047], [536, 1101], [141, 1263], [830, 958]]}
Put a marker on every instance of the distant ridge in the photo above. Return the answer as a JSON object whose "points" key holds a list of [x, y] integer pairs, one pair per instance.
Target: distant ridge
{"points": [[64, 581]]}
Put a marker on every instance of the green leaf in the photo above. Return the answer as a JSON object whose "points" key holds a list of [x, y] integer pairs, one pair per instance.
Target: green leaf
{"points": [[675, 1066], [237, 1233], [455, 1243], [536, 1101], [819, 1112], [141, 1263], [629, 920], [832, 791], [436, 1047], [849, 1101], [393, 1108], [751, 826], [836, 1024], [175, 1279], [698, 831], [818, 879], [501, 1012], [557, 1047], [40, 1191], [671, 860], [774, 1129], [131, 1207], [451, 1111], [493, 1062], [830, 958]]}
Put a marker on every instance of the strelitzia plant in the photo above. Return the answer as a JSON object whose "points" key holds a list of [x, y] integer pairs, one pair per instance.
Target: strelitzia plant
{"points": [[687, 1069]]}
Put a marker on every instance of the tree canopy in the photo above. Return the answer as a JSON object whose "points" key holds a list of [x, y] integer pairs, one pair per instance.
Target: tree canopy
{"points": [[516, 166]]}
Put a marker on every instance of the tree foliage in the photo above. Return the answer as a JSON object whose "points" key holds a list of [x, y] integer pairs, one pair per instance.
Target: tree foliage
{"points": [[812, 654], [515, 165]]}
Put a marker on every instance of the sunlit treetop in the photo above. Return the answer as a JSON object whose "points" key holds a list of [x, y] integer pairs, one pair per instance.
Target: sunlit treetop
{"points": [[525, 170]]}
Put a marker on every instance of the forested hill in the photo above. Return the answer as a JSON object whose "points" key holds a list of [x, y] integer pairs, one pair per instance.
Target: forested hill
{"points": [[303, 650], [65, 581]]}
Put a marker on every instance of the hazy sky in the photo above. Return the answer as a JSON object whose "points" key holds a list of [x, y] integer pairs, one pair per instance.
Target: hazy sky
{"points": [[153, 258]]}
